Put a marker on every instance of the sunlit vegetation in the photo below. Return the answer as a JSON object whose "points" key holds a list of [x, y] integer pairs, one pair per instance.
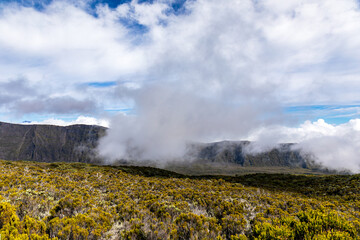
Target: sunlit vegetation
{"points": [[82, 201]]}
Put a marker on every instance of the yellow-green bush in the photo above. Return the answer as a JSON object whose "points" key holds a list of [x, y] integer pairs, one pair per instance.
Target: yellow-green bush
{"points": [[80, 201]]}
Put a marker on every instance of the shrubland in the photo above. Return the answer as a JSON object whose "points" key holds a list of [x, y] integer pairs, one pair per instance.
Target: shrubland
{"points": [[82, 201]]}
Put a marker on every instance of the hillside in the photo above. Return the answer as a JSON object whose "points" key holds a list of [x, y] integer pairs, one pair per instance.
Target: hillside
{"points": [[46, 143], [235, 152], [81, 201]]}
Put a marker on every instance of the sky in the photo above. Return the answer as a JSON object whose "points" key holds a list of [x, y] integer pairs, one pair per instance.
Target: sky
{"points": [[179, 71]]}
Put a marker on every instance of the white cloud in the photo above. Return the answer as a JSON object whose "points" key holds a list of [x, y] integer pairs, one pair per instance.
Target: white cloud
{"points": [[288, 45], [147, 14], [68, 41], [334, 146], [80, 120]]}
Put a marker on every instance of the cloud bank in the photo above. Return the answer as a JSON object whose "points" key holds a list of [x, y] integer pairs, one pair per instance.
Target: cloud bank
{"points": [[333, 146]]}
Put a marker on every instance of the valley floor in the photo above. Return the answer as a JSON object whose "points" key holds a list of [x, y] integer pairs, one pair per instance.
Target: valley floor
{"points": [[82, 201]]}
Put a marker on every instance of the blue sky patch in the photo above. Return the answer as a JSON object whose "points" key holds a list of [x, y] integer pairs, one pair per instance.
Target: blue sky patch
{"points": [[110, 3], [333, 114], [37, 4], [102, 84], [118, 110], [33, 117], [133, 26]]}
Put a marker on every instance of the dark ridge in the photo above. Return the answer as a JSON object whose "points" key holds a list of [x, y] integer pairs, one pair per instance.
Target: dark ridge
{"points": [[77, 143], [234, 152], [47, 143]]}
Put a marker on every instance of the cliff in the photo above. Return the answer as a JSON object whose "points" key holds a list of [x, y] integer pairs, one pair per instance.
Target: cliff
{"points": [[46, 143]]}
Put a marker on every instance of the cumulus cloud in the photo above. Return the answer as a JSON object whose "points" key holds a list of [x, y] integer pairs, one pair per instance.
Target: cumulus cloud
{"points": [[58, 49], [68, 41]]}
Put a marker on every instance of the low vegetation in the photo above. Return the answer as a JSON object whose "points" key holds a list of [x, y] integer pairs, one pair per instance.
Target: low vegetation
{"points": [[232, 169], [81, 201]]}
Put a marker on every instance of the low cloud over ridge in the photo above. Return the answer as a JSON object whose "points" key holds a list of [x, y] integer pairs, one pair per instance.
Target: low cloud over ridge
{"points": [[333, 146]]}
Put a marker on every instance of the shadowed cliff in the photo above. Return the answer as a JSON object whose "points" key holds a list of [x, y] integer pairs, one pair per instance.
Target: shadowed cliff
{"points": [[46, 143]]}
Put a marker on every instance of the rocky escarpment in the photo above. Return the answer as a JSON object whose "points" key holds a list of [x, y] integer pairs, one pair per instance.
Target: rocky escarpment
{"points": [[77, 143], [46, 143]]}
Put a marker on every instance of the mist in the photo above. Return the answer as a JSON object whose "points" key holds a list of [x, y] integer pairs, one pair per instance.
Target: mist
{"points": [[168, 118], [226, 71], [336, 147], [206, 80]]}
